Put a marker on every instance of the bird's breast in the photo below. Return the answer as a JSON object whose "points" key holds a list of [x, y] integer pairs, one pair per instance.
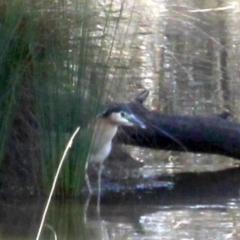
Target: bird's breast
{"points": [[102, 142]]}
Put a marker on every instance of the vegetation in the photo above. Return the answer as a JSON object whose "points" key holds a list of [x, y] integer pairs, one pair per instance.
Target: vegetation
{"points": [[50, 83]]}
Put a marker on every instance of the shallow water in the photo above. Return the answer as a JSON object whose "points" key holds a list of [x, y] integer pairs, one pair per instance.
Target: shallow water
{"points": [[138, 217]]}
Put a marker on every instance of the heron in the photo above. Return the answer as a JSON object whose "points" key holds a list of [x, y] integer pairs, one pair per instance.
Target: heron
{"points": [[105, 128]]}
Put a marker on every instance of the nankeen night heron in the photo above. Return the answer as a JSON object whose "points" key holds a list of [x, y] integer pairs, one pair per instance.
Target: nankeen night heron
{"points": [[105, 129]]}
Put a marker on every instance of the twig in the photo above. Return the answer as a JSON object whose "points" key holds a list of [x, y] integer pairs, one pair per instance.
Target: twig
{"points": [[55, 181]]}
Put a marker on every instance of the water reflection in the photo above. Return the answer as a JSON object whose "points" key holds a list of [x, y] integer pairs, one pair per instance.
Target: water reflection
{"points": [[215, 218], [168, 162], [208, 221]]}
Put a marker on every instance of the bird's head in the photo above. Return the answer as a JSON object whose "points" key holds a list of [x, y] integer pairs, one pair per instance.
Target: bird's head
{"points": [[121, 115]]}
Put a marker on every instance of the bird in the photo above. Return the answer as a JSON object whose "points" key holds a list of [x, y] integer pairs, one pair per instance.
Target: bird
{"points": [[104, 130]]}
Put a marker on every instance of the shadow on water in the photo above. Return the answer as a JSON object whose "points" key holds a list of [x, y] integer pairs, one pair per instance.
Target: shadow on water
{"points": [[193, 202]]}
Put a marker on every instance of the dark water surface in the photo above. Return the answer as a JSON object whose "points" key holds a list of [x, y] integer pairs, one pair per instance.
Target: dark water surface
{"points": [[193, 218]]}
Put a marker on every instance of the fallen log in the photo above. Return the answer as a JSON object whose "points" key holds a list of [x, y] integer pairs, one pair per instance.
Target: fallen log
{"points": [[214, 134]]}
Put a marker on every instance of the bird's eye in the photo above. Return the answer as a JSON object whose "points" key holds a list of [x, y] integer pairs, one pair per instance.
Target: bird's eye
{"points": [[123, 114]]}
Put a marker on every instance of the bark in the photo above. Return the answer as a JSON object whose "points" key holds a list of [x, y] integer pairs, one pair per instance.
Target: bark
{"points": [[214, 134]]}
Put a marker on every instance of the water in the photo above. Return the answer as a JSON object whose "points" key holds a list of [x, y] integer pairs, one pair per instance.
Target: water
{"points": [[210, 219]]}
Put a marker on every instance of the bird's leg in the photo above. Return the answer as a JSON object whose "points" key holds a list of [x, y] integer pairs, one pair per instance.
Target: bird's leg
{"points": [[87, 178], [99, 186], [86, 205], [88, 184]]}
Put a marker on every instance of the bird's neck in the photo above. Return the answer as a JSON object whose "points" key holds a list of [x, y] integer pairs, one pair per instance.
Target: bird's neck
{"points": [[105, 129]]}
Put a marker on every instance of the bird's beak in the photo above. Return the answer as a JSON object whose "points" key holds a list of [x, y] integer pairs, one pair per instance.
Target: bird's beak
{"points": [[135, 121]]}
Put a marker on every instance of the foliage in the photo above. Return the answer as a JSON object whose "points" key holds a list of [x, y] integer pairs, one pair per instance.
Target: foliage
{"points": [[46, 51]]}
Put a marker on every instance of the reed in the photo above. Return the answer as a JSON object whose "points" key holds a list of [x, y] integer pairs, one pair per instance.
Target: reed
{"points": [[54, 70]]}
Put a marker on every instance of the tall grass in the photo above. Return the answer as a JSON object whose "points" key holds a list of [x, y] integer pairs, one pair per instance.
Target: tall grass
{"points": [[54, 71], [67, 94], [10, 73], [45, 48]]}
